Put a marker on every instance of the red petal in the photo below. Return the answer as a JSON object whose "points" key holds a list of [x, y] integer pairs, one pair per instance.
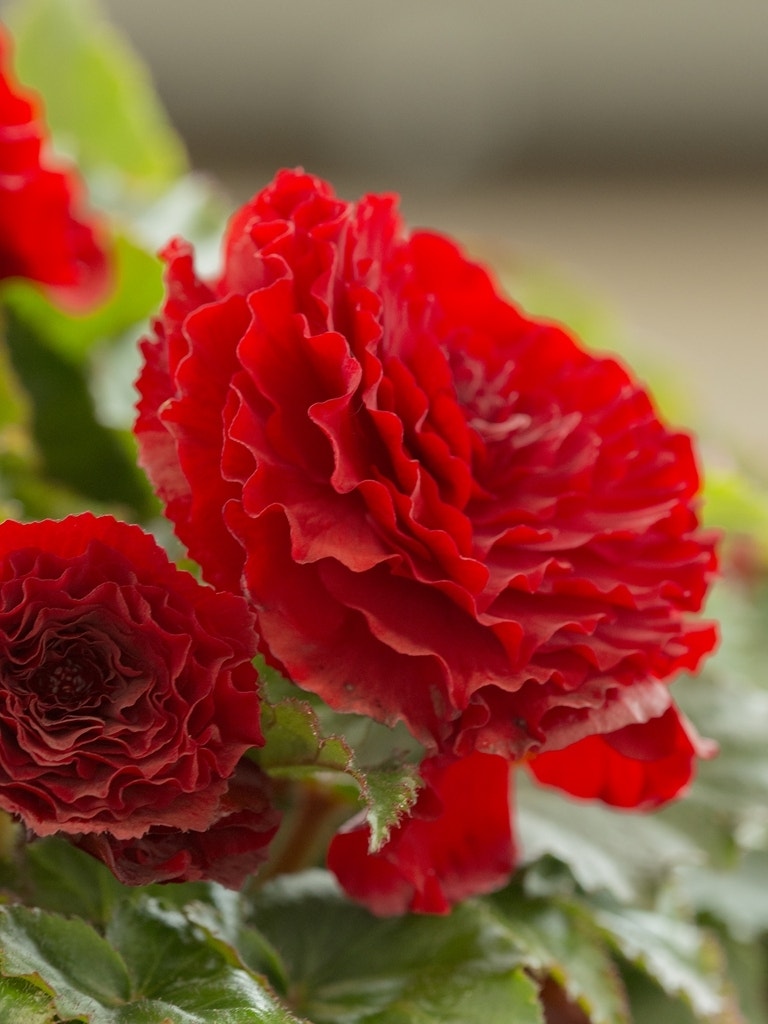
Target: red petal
{"points": [[42, 235], [457, 842], [640, 766]]}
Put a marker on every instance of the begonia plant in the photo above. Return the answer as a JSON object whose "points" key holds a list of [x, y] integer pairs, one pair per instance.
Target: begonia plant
{"points": [[359, 657]]}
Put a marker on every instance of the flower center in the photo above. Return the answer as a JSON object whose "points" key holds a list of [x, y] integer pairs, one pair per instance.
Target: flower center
{"points": [[67, 681], [487, 401]]}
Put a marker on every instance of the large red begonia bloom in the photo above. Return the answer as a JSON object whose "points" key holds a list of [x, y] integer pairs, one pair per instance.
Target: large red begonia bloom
{"points": [[45, 234], [456, 843], [127, 689], [445, 512]]}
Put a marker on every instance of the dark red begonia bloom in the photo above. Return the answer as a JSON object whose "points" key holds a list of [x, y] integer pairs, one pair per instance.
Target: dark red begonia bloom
{"points": [[456, 843], [45, 235], [445, 512], [127, 689], [231, 848]]}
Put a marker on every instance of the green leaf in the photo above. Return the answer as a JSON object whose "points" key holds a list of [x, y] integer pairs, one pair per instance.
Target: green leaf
{"points": [[389, 795], [18, 457], [15, 413], [560, 940], [65, 957], [153, 965], [180, 970], [345, 966], [297, 747], [76, 450], [222, 913], [294, 746], [136, 292], [684, 960], [727, 807], [465, 1000], [652, 1005], [604, 849], [748, 972], [737, 896], [104, 109], [61, 878], [25, 1003], [726, 810]]}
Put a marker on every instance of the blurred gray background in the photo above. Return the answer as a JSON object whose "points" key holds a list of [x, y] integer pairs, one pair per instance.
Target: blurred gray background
{"points": [[622, 144], [453, 90]]}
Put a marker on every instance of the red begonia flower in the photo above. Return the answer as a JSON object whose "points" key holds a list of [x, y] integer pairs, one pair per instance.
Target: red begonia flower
{"points": [[456, 843], [231, 848], [45, 234], [641, 766], [127, 689], [445, 512]]}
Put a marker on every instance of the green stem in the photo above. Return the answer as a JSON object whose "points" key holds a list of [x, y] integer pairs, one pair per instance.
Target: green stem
{"points": [[315, 816]]}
